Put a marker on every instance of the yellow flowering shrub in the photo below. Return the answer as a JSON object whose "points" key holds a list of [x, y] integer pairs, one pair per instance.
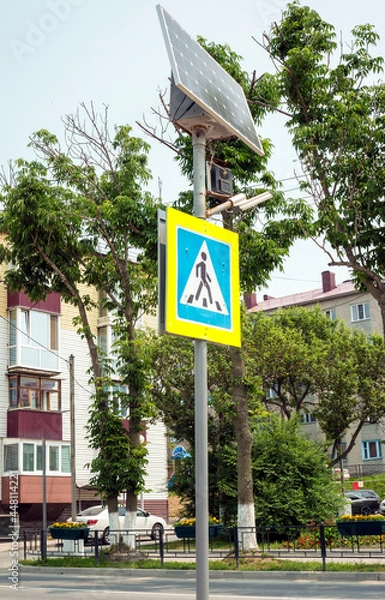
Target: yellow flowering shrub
{"points": [[69, 525], [191, 522], [352, 518]]}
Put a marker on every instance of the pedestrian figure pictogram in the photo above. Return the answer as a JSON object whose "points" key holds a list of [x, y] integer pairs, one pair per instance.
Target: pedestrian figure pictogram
{"points": [[202, 289]]}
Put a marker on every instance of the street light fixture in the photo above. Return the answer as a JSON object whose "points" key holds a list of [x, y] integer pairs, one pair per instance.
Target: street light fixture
{"points": [[239, 202]]}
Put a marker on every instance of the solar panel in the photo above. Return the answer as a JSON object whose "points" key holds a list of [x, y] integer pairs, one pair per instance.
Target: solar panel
{"points": [[204, 81]]}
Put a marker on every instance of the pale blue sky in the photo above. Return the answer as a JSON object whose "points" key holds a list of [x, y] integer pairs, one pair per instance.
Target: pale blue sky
{"points": [[56, 54]]}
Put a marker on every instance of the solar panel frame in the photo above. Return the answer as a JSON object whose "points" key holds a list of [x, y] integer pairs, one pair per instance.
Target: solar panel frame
{"points": [[202, 79]]}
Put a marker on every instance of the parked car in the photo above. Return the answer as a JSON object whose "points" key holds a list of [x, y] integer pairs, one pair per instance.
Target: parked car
{"points": [[363, 502], [96, 518], [382, 507], [337, 473]]}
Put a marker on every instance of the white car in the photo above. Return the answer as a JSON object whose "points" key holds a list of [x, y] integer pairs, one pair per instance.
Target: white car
{"points": [[382, 507], [337, 473], [96, 518]]}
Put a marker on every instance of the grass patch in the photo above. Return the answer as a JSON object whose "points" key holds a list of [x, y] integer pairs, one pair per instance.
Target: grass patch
{"points": [[273, 564], [228, 564], [65, 561], [103, 563]]}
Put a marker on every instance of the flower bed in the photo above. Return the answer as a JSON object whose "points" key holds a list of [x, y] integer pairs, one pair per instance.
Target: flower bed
{"points": [[361, 525], [186, 528], [67, 530]]}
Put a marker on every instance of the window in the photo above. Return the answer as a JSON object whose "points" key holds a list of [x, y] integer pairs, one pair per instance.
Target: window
{"points": [[65, 459], [308, 418], [340, 450], [359, 312], [29, 455], [54, 332], [371, 450], [39, 458], [39, 393], [119, 399], [33, 339], [53, 453], [11, 457], [13, 402], [13, 338], [103, 339], [331, 313], [106, 340], [32, 457]]}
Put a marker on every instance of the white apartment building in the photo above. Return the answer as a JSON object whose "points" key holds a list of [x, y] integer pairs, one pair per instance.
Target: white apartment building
{"points": [[36, 342]]}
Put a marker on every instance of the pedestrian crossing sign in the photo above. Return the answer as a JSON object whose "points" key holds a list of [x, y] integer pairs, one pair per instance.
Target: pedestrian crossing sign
{"points": [[202, 280]]}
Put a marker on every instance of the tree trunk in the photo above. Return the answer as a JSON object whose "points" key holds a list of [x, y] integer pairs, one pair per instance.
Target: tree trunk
{"points": [[113, 519], [381, 304], [130, 519], [246, 511]]}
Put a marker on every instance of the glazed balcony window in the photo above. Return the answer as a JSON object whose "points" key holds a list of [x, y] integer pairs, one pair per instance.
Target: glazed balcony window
{"points": [[33, 339], [27, 457], [38, 393]]}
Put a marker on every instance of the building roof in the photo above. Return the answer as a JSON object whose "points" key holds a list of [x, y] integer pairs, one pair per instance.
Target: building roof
{"points": [[302, 298]]}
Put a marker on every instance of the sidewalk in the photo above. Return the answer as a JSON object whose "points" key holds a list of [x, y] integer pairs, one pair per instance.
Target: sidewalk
{"points": [[10, 550]]}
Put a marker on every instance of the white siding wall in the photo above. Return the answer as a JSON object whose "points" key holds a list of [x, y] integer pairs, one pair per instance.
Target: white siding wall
{"points": [[156, 480], [71, 343]]}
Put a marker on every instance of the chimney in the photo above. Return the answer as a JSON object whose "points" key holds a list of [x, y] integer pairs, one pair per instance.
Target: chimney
{"points": [[250, 300], [328, 281]]}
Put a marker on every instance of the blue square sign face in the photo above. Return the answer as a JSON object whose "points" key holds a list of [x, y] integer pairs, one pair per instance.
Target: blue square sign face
{"points": [[204, 275], [202, 283]]}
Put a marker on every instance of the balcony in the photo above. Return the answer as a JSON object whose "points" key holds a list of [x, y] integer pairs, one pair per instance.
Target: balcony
{"points": [[34, 424]]}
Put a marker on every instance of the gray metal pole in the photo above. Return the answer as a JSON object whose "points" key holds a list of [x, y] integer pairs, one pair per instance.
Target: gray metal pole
{"points": [[44, 501], [73, 437], [200, 382]]}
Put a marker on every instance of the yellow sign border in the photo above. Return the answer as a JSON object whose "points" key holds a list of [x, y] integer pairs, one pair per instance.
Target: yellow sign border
{"points": [[177, 326]]}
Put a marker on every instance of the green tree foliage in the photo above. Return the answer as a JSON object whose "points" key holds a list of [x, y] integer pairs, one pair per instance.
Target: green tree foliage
{"points": [[75, 219], [313, 364], [301, 354], [265, 237], [293, 484], [269, 230], [335, 112], [173, 393]]}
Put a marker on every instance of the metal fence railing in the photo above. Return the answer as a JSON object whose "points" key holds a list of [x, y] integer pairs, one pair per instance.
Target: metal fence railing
{"points": [[308, 542], [362, 470]]}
